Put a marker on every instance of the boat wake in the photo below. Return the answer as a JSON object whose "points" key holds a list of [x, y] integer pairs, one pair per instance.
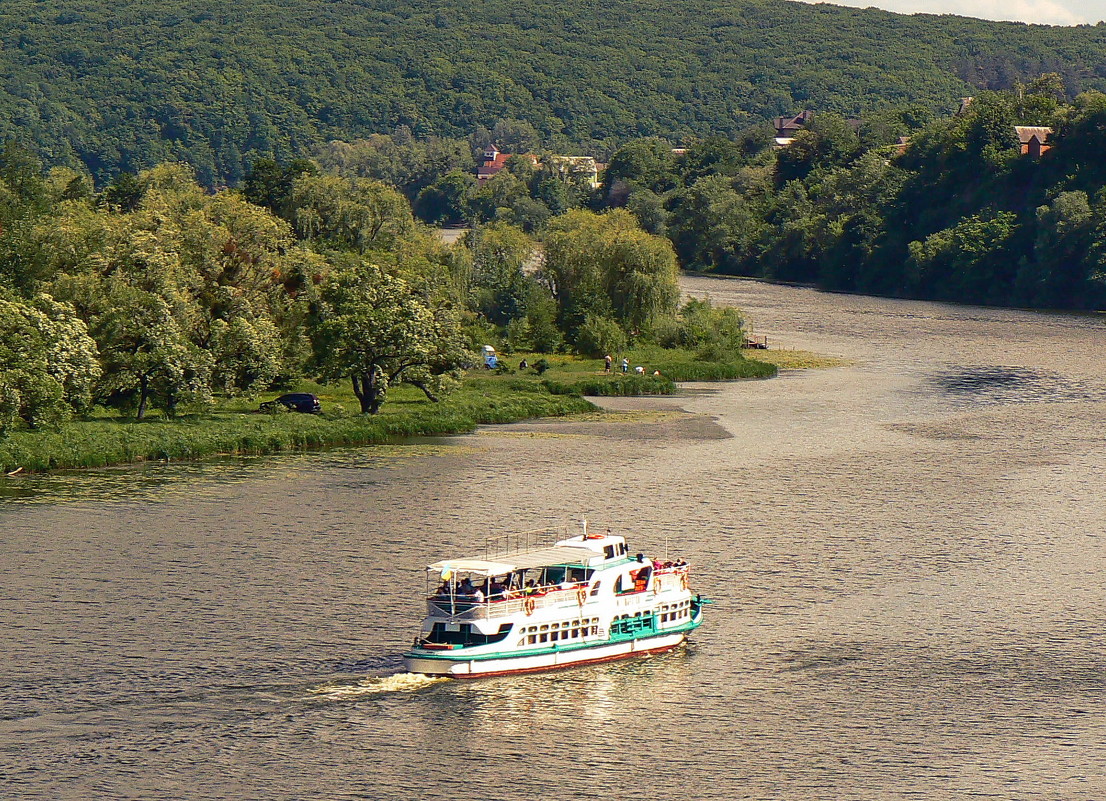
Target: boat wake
{"points": [[375, 685]]}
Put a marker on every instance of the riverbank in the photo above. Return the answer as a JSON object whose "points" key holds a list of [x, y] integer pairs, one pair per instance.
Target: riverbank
{"points": [[235, 427]]}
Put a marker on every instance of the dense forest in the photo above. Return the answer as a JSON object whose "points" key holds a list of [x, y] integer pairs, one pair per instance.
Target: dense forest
{"points": [[218, 84]]}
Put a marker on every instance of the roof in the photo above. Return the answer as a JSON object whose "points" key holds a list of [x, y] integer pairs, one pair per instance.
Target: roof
{"points": [[543, 557], [1027, 132]]}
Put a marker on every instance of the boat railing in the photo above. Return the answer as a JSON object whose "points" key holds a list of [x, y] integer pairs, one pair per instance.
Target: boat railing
{"points": [[502, 545], [465, 609], [672, 578]]}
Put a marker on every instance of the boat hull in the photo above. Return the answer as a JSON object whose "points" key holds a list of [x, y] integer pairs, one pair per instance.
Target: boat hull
{"points": [[462, 668]]}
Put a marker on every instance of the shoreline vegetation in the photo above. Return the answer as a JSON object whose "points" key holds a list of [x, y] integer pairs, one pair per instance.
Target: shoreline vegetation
{"points": [[235, 427]]}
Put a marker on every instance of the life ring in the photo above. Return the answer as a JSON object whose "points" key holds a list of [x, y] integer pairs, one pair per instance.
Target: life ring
{"points": [[581, 596], [528, 606]]}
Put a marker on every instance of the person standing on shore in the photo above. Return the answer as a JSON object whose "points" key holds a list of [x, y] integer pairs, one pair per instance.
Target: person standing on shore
{"points": [[607, 363], [625, 365]]}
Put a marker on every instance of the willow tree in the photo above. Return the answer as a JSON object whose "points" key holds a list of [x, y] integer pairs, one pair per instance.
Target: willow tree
{"points": [[377, 329], [607, 266], [357, 214]]}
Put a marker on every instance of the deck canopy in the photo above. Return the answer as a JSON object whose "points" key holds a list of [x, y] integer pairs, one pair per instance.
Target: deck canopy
{"points": [[545, 557]]}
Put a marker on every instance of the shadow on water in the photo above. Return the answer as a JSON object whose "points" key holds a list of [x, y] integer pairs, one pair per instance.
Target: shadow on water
{"points": [[1003, 385], [152, 481]]}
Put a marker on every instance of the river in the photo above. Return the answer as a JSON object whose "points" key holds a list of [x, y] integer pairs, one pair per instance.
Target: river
{"points": [[907, 555]]}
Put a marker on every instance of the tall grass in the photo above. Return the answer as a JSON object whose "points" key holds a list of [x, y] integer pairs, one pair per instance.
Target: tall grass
{"points": [[97, 443], [623, 385]]}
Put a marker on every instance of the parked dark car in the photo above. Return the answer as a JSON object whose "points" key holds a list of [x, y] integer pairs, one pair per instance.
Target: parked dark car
{"points": [[296, 401]]}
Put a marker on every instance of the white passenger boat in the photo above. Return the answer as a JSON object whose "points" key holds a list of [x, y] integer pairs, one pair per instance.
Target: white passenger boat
{"points": [[582, 600]]}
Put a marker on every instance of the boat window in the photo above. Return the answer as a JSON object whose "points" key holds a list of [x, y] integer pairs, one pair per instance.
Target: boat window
{"points": [[595, 588], [464, 634]]}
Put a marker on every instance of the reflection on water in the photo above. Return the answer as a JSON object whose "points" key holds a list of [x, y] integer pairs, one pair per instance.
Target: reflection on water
{"points": [[153, 481], [1003, 384], [906, 555]]}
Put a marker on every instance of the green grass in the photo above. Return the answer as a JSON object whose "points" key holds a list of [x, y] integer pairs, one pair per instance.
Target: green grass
{"points": [[568, 374], [230, 429], [235, 426]]}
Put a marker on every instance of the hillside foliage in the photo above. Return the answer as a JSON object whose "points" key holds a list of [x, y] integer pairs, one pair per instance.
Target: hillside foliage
{"points": [[218, 84]]}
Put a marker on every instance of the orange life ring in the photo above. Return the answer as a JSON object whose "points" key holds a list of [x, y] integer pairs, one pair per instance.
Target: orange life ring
{"points": [[581, 596], [528, 606]]}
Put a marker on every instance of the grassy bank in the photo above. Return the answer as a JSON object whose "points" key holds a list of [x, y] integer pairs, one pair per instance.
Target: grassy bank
{"points": [[231, 429], [587, 376], [235, 426]]}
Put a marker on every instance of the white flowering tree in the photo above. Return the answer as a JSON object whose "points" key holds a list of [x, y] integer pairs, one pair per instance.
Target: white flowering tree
{"points": [[377, 329], [48, 363]]}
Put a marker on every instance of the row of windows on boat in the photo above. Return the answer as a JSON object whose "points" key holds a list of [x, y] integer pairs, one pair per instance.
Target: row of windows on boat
{"points": [[559, 632]]}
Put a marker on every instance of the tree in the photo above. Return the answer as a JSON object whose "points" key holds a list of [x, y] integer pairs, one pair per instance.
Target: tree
{"points": [[716, 227], [269, 183], [828, 141], [47, 363], [716, 334], [358, 214], [500, 286], [606, 266], [376, 330], [145, 352], [646, 163], [444, 201]]}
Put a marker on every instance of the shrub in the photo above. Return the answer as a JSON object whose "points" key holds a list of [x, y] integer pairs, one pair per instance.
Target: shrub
{"points": [[598, 336]]}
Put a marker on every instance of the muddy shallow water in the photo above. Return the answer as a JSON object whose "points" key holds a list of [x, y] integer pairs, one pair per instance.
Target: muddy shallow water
{"points": [[907, 556]]}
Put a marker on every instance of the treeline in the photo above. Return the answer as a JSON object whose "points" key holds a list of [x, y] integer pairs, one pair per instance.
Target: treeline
{"points": [[900, 202], [109, 87], [155, 293], [959, 213]]}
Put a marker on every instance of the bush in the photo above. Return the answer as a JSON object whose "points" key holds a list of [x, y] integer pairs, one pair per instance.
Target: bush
{"points": [[626, 386], [599, 336]]}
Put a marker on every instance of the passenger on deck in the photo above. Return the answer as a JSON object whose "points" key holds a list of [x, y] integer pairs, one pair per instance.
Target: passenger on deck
{"points": [[530, 587], [465, 588], [497, 590]]}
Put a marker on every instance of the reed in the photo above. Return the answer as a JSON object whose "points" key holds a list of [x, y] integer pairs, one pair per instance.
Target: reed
{"points": [[102, 442], [624, 385]]}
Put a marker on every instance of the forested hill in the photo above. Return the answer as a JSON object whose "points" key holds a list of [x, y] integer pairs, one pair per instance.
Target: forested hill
{"points": [[131, 83]]}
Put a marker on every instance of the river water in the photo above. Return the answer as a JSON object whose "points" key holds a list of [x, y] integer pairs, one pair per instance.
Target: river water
{"points": [[907, 555]]}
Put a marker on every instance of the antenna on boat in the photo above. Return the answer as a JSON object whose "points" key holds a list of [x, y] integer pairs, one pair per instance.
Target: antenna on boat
{"points": [[666, 547], [585, 528]]}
